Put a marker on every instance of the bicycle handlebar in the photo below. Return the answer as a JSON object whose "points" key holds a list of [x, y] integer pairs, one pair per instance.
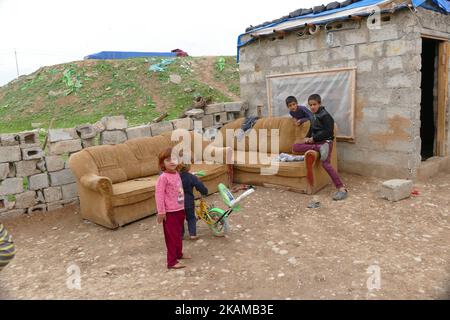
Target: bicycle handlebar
{"points": [[241, 197]]}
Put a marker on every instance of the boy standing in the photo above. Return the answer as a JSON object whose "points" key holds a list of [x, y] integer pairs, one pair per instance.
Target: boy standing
{"points": [[300, 114]]}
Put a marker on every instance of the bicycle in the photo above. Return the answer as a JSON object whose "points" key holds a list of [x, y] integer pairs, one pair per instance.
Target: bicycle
{"points": [[217, 218]]}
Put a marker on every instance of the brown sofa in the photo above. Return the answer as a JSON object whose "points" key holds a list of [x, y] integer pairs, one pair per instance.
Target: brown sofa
{"points": [[116, 184], [296, 176]]}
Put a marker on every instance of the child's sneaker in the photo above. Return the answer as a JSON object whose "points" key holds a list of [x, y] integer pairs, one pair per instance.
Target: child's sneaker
{"points": [[194, 237], [324, 150], [340, 195]]}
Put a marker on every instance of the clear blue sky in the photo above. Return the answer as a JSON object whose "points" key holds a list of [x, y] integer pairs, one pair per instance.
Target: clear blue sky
{"points": [[48, 32]]}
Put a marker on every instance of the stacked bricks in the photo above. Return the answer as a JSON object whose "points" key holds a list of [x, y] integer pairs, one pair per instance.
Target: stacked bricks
{"points": [[32, 180]]}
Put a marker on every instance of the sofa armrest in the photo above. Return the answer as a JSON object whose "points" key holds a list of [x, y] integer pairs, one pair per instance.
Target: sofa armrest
{"points": [[97, 183]]}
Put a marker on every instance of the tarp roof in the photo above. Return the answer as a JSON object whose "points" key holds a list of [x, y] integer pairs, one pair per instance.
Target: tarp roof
{"points": [[106, 55]]}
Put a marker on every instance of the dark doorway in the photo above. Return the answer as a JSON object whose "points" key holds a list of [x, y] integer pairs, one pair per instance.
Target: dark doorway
{"points": [[429, 100]]}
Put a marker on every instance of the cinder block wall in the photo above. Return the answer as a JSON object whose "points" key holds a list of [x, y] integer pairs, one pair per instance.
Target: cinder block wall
{"points": [[388, 94], [34, 180]]}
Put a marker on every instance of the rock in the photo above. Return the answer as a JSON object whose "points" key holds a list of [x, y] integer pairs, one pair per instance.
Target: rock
{"points": [[174, 78], [397, 189]]}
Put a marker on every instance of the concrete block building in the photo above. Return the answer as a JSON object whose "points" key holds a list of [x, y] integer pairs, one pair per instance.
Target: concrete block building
{"points": [[381, 68]]}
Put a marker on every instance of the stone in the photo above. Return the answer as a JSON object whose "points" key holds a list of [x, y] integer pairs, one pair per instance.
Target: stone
{"points": [[40, 165], [185, 123], [161, 127], [396, 189], [4, 171], [56, 135], [61, 177], [54, 205], [113, 137], [32, 153], [233, 106], [214, 108], [195, 113], [7, 140], [99, 127], [139, 132], [25, 200], [27, 168], [29, 138], [54, 163], [67, 146], [40, 208], [38, 181], [11, 186], [10, 154], [52, 194], [175, 78], [86, 131], [115, 123], [220, 118], [69, 191], [208, 121], [86, 143]]}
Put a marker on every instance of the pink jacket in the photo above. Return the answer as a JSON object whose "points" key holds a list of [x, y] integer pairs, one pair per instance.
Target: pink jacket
{"points": [[169, 193]]}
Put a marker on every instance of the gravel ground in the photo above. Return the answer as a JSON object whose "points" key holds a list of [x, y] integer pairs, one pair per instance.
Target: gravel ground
{"points": [[276, 249]]}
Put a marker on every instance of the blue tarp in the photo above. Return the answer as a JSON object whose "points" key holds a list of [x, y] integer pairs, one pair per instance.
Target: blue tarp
{"points": [[106, 55], [442, 4]]}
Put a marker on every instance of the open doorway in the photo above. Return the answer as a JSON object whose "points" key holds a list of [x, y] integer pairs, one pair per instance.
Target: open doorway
{"points": [[434, 92], [429, 100]]}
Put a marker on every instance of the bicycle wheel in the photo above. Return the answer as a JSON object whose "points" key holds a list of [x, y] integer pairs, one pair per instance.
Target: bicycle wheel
{"points": [[219, 228]]}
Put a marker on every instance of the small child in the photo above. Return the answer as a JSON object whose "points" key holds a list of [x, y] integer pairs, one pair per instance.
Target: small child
{"points": [[189, 182], [7, 248], [320, 138], [300, 114], [170, 205]]}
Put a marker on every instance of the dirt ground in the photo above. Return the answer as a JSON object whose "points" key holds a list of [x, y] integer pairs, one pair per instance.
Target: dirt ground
{"points": [[276, 249]]}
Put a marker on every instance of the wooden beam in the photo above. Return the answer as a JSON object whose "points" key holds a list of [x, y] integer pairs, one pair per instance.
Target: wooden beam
{"points": [[442, 97]]}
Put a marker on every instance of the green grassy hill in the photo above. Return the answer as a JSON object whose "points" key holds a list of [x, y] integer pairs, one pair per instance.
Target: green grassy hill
{"points": [[85, 91]]}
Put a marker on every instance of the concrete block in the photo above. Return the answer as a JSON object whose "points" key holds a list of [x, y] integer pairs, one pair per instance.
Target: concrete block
{"points": [[61, 177], [233, 106], [214, 108], [391, 64], [69, 191], [298, 60], [86, 131], [40, 196], [40, 208], [52, 194], [161, 127], [400, 47], [38, 181], [27, 168], [230, 116], [397, 189], [320, 57], [40, 165], [56, 135], [281, 61], [385, 33], [7, 140], [11, 186], [220, 118], [139, 132], [25, 200], [370, 50], [99, 126], [10, 154], [195, 113], [32, 153], [29, 138], [113, 137], [356, 37], [115, 123], [4, 205], [54, 163], [16, 213], [54, 205], [12, 170], [4, 171], [210, 133], [343, 53], [185, 123], [86, 143], [71, 202], [207, 121], [67, 146]]}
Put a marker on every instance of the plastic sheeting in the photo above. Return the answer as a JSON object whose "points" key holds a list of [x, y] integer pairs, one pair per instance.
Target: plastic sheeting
{"points": [[335, 87], [444, 5], [108, 55]]}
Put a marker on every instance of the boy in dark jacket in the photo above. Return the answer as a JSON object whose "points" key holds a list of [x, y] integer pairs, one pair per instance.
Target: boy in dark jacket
{"points": [[320, 138], [300, 114], [189, 182]]}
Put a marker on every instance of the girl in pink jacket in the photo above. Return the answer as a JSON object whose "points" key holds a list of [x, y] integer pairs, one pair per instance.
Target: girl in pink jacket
{"points": [[170, 206]]}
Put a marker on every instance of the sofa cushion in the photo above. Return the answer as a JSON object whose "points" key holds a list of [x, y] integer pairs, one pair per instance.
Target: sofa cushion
{"points": [[285, 169], [107, 161], [211, 170], [133, 191]]}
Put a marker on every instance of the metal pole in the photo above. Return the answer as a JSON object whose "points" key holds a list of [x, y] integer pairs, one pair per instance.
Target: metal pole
{"points": [[17, 64]]}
